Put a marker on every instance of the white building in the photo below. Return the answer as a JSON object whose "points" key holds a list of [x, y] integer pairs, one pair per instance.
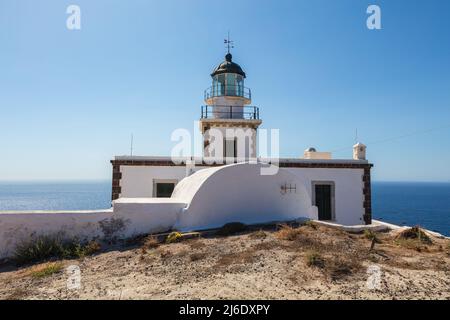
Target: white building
{"points": [[157, 194], [329, 189]]}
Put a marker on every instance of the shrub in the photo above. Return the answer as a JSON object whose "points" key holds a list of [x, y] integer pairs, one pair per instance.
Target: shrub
{"points": [[150, 242], [174, 237], [314, 259], [231, 228], [370, 235], [415, 233], [311, 224], [286, 232], [341, 267], [46, 269], [258, 235], [42, 248], [90, 248], [52, 246], [197, 256]]}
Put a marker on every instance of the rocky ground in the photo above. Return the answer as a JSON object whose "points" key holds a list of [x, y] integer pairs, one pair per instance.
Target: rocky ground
{"points": [[309, 262]]}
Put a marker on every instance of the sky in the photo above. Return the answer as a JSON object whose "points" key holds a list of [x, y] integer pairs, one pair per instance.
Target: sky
{"points": [[70, 99]]}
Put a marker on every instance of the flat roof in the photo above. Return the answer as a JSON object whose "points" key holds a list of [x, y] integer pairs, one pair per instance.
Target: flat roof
{"points": [[207, 162]]}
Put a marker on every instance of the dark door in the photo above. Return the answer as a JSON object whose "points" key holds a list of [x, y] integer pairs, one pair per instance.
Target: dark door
{"points": [[164, 190], [323, 201]]}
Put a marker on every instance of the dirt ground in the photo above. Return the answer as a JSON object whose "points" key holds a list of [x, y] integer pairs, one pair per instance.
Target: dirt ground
{"points": [[310, 262]]}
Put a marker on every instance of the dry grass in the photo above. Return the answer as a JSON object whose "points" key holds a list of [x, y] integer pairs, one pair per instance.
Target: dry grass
{"points": [[197, 256], [18, 294], [195, 244], [310, 224], [242, 257], [279, 264], [286, 232], [257, 235], [314, 259], [150, 242], [415, 239], [415, 233], [45, 269], [342, 266]]}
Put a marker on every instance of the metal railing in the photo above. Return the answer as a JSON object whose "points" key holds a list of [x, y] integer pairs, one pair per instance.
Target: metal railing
{"points": [[228, 91], [230, 112]]}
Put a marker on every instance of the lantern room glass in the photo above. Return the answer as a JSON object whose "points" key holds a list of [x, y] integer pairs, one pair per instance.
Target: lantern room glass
{"points": [[228, 84]]}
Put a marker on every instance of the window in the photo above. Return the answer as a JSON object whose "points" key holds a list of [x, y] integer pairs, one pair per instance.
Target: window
{"points": [[230, 148], [163, 188], [229, 84]]}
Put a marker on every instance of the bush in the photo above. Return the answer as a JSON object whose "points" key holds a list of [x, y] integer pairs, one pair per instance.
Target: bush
{"points": [[314, 259], [47, 247], [174, 237], [197, 256], [150, 242], [370, 235], [231, 228], [415, 233], [341, 267], [258, 235], [46, 270], [286, 232], [311, 224]]}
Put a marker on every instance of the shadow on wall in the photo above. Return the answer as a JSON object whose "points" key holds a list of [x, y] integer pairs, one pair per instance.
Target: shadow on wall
{"points": [[239, 192]]}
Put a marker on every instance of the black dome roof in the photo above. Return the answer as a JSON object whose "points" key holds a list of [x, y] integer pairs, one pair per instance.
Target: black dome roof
{"points": [[228, 67]]}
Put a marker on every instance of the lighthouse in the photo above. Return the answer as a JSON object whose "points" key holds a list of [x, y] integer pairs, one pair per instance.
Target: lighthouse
{"points": [[228, 121]]}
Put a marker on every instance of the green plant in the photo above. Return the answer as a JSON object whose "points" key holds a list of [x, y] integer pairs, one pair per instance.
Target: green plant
{"points": [[43, 247], [90, 248], [46, 247], [370, 235], [174, 237], [314, 259], [231, 228], [46, 270]]}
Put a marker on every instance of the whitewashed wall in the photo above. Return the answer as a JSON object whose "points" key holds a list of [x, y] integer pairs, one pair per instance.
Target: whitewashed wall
{"points": [[348, 184], [208, 198], [16, 227], [137, 181], [240, 193], [128, 218]]}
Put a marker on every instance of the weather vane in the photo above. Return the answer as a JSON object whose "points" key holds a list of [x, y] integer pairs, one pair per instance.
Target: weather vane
{"points": [[229, 43]]}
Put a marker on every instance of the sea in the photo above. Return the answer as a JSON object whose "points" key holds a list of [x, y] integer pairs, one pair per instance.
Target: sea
{"points": [[403, 203]]}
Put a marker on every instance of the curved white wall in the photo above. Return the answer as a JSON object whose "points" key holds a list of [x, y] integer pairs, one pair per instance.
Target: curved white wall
{"points": [[240, 193]]}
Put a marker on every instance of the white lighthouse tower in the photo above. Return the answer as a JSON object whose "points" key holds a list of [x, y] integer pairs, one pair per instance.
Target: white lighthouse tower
{"points": [[228, 123]]}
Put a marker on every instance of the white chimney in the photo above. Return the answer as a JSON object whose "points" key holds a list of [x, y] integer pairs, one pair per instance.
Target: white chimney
{"points": [[359, 151]]}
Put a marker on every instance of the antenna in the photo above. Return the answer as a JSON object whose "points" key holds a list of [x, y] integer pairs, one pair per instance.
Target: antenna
{"points": [[131, 145], [229, 43], [356, 135]]}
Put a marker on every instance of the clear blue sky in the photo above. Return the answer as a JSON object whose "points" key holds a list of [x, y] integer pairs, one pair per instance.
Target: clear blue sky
{"points": [[69, 100]]}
